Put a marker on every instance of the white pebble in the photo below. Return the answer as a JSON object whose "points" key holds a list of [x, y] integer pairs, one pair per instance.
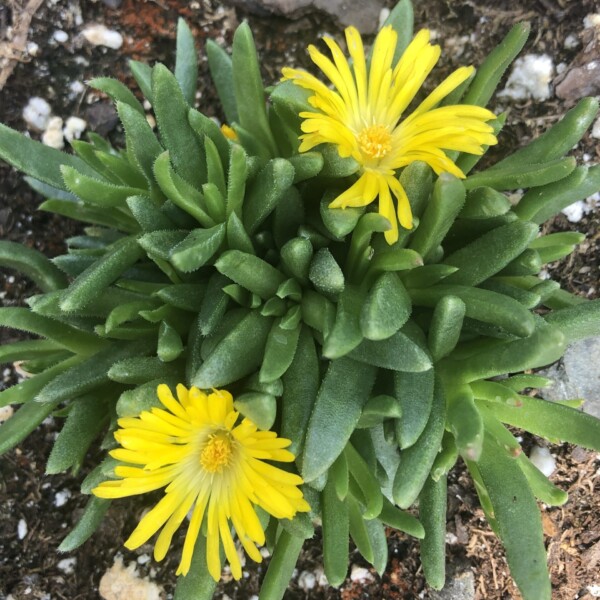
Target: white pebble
{"points": [[37, 113], [67, 565], [61, 498], [120, 583], [100, 35], [596, 129], [571, 42], [321, 577], [576, 211], [142, 559], [53, 136], [384, 13], [60, 36], [360, 575], [22, 529], [32, 49], [307, 581], [530, 78], [264, 552], [6, 412], [543, 460], [591, 20], [74, 127], [76, 88], [594, 590]]}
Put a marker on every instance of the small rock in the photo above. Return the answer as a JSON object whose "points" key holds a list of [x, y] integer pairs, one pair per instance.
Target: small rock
{"points": [[61, 498], [74, 127], [596, 129], [67, 565], [120, 583], [592, 20], [100, 35], [53, 136], [361, 575], [571, 42], [60, 36], [142, 559], [37, 113], [460, 587], [321, 577], [594, 590], [114, 4], [32, 49], [22, 529], [577, 376], [76, 88], [543, 460], [363, 15], [307, 581], [101, 117], [6, 412], [530, 78]]}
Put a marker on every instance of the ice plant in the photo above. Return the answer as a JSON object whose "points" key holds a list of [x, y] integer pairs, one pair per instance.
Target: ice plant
{"points": [[210, 464], [363, 116], [211, 256]]}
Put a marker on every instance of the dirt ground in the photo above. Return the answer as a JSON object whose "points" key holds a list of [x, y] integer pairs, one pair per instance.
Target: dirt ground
{"points": [[48, 506]]}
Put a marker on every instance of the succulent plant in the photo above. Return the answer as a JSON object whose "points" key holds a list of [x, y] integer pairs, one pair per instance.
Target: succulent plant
{"points": [[212, 257]]}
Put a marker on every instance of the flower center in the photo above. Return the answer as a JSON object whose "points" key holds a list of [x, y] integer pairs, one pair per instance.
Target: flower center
{"points": [[375, 141], [217, 451]]}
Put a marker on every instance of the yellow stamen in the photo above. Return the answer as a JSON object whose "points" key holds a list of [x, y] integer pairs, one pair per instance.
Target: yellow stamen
{"points": [[216, 453], [375, 141]]}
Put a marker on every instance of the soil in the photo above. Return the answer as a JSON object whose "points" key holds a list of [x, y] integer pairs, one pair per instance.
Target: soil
{"points": [[467, 30]]}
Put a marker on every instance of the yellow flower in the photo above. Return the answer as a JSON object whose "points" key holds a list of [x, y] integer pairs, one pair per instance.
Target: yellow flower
{"points": [[361, 115], [212, 466], [229, 133]]}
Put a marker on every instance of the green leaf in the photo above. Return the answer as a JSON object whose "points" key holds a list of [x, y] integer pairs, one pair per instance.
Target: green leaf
{"points": [[339, 221], [551, 420], [522, 176], [296, 256], [267, 190], [142, 145], [198, 584], [89, 214], [87, 525], [171, 110], [577, 322], [398, 353], [280, 569], [464, 421], [143, 397], [69, 337], [250, 272], [279, 351], [197, 248], [204, 126], [170, 345], [517, 520], [289, 100], [32, 264], [343, 393], [544, 346], [214, 304], [326, 274], [221, 71], [386, 308], [37, 160], [306, 165], [48, 191], [366, 481], [490, 253], [335, 535], [237, 355], [432, 511], [139, 369], [249, 92], [117, 92], [300, 387], [88, 374], [446, 203], [259, 407], [148, 214], [401, 18], [358, 530], [483, 203], [377, 409], [121, 255], [414, 393], [445, 326], [23, 422], [181, 193], [96, 191], [489, 74], [482, 305], [417, 460], [28, 350], [558, 140], [345, 335], [186, 62], [86, 419], [403, 521]]}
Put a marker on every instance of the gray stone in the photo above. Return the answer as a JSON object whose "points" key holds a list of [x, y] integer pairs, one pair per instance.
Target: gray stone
{"points": [[577, 375], [364, 15], [460, 587]]}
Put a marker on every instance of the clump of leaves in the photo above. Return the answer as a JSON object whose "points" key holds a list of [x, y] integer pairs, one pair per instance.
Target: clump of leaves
{"points": [[219, 263]]}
